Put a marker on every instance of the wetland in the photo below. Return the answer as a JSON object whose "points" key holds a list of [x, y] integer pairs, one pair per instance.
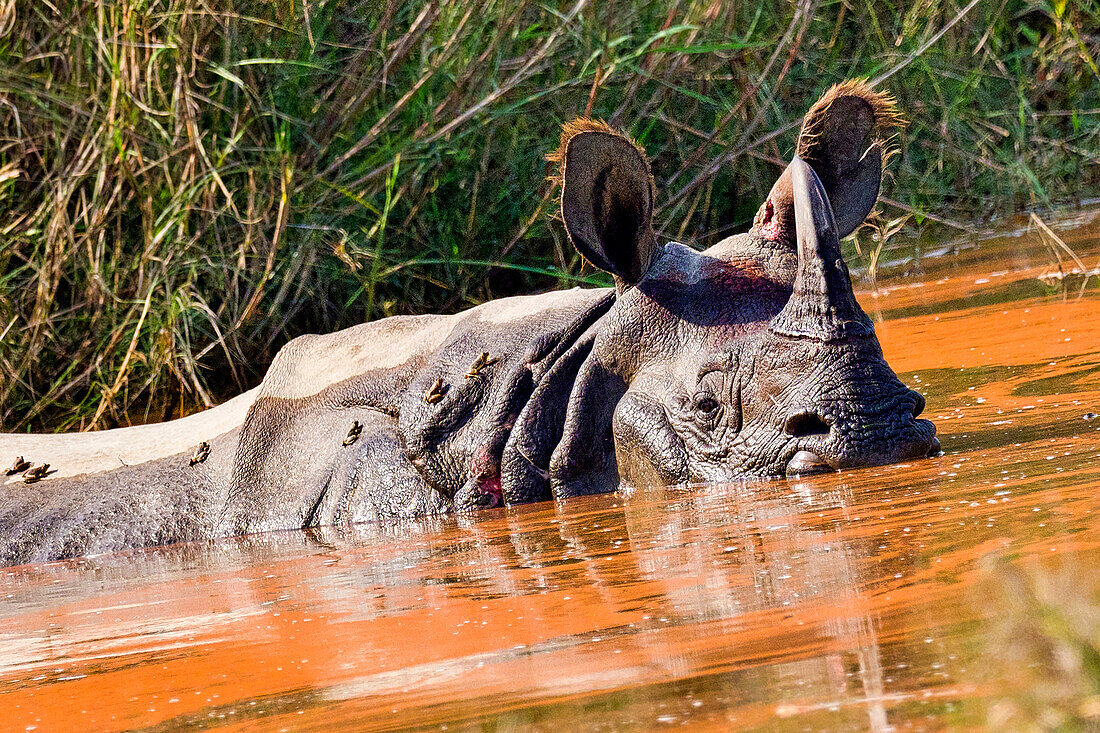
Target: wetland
{"points": [[961, 591]]}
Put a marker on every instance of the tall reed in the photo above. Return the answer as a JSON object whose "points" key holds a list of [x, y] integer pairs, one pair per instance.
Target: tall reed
{"points": [[187, 184]]}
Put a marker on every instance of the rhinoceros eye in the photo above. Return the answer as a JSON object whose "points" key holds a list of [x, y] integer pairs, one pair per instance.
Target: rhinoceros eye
{"points": [[706, 406]]}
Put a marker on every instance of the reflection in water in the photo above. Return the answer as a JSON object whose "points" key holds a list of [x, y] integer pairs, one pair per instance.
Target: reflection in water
{"points": [[841, 602], [786, 548]]}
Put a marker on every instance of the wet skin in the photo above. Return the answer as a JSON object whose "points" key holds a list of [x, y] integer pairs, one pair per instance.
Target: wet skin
{"points": [[750, 358], [866, 600]]}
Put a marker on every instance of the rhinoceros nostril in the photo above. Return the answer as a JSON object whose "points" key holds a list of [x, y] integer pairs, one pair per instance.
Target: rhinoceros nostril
{"points": [[918, 408], [805, 424]]}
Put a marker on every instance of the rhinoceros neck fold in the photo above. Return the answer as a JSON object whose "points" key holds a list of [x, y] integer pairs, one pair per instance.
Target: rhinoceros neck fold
{"points": [[446, 412], [499, 426]]}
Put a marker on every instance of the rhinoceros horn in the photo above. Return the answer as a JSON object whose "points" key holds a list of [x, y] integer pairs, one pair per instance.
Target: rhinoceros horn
{"points": [[822, 305]]}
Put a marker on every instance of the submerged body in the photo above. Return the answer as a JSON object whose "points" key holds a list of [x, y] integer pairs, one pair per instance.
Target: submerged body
{"points": [[749, 358]]}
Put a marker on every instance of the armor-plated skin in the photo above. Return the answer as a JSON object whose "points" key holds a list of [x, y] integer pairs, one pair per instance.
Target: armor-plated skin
{"points": [[749, 358]]}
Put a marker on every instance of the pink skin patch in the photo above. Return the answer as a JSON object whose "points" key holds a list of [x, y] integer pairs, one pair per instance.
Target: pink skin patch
{"points": [[737, 276], [770, 225], [488, 477], [490, 486]]}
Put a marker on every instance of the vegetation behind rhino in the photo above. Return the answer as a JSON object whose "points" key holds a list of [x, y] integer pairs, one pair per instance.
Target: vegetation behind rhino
{"points": [[749, 358]]}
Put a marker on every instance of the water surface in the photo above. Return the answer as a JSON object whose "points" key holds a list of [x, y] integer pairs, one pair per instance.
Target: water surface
{"points": [[961, 591]]}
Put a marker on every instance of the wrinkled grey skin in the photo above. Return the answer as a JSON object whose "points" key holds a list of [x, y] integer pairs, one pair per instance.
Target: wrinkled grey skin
{"points": [[749, 358]]}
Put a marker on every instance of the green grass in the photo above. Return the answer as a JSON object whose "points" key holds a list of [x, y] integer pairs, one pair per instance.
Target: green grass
{"points": [[187, 184]]}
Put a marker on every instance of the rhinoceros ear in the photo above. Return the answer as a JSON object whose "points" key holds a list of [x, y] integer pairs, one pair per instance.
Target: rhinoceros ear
{"points": [[606, 198], [846, 139]]}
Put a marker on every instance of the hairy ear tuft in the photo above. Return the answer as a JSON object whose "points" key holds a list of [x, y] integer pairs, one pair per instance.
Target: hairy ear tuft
{"points": [[881, 127], [607, 194], [847, 137], [575, 127]]}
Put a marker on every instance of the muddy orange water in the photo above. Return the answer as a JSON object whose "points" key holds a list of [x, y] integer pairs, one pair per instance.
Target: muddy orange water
{"points": [[945, 593]]}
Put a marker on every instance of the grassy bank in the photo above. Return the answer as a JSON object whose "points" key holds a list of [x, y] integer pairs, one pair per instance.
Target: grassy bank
{"points": [[187, 184]]}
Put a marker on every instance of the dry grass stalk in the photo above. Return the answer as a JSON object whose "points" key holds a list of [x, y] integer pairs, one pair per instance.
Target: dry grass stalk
{"points": [[186, 184]]}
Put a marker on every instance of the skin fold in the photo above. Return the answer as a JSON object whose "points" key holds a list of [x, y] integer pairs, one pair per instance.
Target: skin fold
{"points": [[750, 358]]}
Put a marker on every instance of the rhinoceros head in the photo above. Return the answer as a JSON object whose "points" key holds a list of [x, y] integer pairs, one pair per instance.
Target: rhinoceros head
{"points": [[750, 357]]}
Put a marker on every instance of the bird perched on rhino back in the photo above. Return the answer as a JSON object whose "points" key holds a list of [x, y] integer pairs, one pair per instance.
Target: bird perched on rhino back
{"points": [[749, 358]]}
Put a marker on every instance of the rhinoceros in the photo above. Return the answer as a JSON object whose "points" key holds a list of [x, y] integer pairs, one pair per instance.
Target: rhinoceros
{"points": [[749, 358]]}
